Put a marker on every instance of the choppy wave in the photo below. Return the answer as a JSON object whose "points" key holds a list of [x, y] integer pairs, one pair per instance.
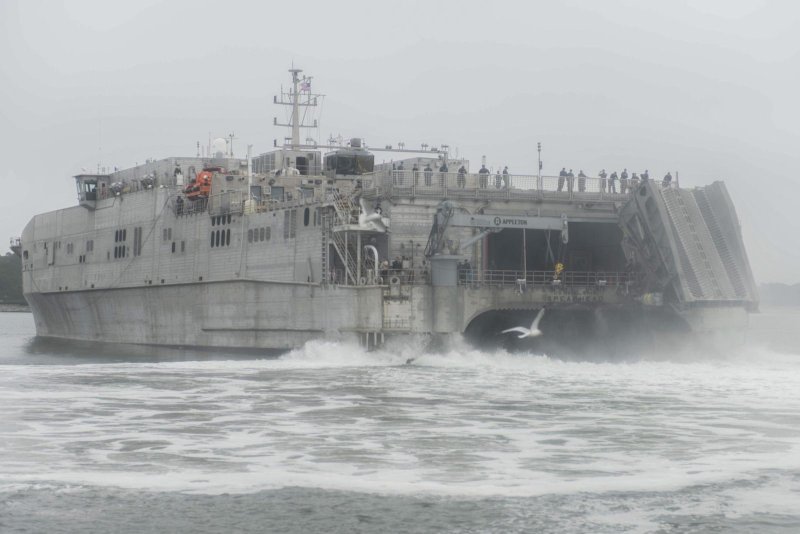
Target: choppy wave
{"points": [[456, 422]]}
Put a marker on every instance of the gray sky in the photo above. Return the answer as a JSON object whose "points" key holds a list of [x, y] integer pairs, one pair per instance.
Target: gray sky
{"points": [[709, 89]]}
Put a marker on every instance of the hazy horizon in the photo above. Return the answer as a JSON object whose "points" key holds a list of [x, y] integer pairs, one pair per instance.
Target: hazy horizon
{"points": [[705, 89]]}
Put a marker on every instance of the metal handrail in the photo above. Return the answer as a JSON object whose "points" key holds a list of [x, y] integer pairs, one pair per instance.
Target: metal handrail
{"points": [[455, 184], [233, 202], [468, 276]]}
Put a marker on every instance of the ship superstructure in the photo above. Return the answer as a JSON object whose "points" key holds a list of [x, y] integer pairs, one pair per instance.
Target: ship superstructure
{"points": [[309, 241]]}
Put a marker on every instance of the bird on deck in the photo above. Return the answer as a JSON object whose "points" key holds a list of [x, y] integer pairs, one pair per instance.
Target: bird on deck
{"points": [[372, 220]]}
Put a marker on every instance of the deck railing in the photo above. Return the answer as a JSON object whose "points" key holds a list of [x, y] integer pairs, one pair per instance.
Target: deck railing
{"points": [[495, 278], [472, 277], [499, 186], [233, 202]]}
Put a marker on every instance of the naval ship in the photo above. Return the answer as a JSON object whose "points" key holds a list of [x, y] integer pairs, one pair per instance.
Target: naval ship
{"points": [[310, 241]]}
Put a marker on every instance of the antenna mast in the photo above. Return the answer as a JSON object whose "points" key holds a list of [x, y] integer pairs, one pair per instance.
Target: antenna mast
{"points": [[299, 95]]}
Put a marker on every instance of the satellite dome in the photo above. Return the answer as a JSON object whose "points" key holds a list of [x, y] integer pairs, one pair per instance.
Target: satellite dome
{"points": [[219, 147]]}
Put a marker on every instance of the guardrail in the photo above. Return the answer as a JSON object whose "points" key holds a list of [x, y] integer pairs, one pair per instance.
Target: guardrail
{"points": [[488, 186], [233, 202], [472, 277], [388, 277]]}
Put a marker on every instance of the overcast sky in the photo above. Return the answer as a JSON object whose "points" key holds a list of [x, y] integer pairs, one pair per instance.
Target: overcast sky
{"points": [[710, 89]]}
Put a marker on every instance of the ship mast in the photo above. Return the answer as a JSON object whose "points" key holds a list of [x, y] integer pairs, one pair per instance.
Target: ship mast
{"points": [[297, 96]]}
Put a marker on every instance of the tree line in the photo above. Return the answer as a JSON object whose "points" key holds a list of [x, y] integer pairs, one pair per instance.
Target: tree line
{"points": [[11, 279]]}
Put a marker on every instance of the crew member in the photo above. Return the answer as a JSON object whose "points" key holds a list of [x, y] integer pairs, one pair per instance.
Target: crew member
{"points": [[558, 270], [443, 170], [634, 183], [623, 181], [561, 177], [483, 177]]}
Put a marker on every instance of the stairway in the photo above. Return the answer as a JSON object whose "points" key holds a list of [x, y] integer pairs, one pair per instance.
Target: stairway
{"points": [[326, 245], [346, 211]]}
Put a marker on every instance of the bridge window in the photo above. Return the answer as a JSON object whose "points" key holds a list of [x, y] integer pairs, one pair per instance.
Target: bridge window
{"points": [[137, 241]]}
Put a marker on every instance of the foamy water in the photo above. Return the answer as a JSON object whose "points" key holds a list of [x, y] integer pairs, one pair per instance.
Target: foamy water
{"points": [[463, 425]]}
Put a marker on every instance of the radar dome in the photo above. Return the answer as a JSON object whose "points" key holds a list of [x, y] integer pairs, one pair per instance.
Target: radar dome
{"points": [[219, 147]]}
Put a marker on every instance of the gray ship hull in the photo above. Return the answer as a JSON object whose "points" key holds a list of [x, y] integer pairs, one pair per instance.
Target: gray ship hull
{"points": [[232, 272], [228, 314]]}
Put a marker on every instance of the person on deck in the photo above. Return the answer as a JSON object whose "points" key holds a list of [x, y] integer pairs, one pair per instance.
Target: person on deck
{"points": [[483, 177], [634, 183], [428, 174], [612, 183], [561, 177], [623, 181]]}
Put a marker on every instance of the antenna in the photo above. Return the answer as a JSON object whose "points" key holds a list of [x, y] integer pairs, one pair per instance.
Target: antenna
{"points": [[298, 96], [231, 137], [99, 145]]}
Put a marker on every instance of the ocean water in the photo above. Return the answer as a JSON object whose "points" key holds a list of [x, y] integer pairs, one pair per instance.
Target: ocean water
{"points": [[330, 438]]}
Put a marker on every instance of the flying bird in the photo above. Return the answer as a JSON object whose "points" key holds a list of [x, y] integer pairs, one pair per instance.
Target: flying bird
{"points": [[533, 331]]}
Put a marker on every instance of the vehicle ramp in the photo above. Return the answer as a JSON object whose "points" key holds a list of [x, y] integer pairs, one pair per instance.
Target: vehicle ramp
{"points": [[689, 243]]}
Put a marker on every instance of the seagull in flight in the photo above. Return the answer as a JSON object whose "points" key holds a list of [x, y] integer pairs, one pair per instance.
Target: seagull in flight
{"points": [[533, 331]]}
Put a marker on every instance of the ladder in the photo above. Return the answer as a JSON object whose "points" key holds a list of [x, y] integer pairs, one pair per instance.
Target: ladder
{"points": [[326, 231], [346, 211], [343, 250]]}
